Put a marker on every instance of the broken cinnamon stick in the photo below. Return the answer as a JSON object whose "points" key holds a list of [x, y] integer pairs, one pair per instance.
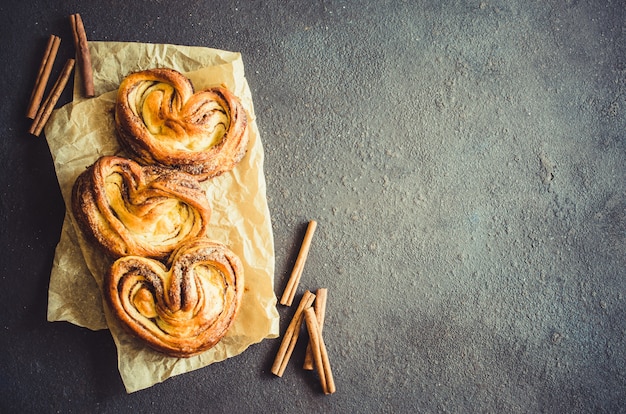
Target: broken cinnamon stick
{"points": [[291, 335], [320, 312], [296, 274], [46, 109], [82, 54], [45, 68]]}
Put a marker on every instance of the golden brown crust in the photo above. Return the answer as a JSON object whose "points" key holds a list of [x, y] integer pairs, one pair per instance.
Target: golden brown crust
{"points": [[161, 120], [181, 311], [129, 209]]}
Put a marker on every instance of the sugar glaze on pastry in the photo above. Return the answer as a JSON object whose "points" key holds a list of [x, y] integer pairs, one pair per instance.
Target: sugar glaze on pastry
{"points": [[161, 119], [181, 309], [129, 209]]}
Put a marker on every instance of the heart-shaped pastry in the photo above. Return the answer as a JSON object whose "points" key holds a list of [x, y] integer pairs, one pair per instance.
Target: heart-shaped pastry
{"points": [[161, 120], [129, 209], [181, 310]]}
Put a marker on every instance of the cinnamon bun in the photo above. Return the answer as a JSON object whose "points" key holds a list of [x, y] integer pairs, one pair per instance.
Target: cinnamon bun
{"points": [[181, 309], [161, 120], [129, 209]]}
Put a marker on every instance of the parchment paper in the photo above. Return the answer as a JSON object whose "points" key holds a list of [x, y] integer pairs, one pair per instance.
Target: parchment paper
{"points": [[82, 131]]}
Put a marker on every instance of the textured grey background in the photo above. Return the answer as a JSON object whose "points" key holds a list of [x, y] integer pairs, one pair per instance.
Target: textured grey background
{"points": [[465, 161]]}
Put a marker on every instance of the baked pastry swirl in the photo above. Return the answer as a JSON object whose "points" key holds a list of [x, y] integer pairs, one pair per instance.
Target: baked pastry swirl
{"points": [[182, 310], [129, 209], [161, 120]]}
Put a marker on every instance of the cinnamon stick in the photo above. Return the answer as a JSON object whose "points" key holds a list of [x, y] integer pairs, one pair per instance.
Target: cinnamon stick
{"points": [[328, 373], [314, 340], [320, 312], [46, 109], [82, 54], [291, 335], [296, 274], [45, 68], [320, 355]]}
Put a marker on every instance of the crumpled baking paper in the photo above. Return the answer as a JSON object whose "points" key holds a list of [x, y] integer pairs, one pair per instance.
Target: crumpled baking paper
{"points": [[83, 130]]}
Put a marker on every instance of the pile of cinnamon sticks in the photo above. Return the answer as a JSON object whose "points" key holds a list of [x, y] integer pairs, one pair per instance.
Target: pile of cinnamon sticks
{"points": [[311, 312], [40, 112]]}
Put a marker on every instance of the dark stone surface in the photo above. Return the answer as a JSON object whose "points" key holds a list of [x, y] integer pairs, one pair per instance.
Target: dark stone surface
{"points": [[465, 161]]}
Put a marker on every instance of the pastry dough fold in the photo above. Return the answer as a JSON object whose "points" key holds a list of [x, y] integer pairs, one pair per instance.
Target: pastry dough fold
{"points": [[160, 119], [183, 308], [129, 209]]}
